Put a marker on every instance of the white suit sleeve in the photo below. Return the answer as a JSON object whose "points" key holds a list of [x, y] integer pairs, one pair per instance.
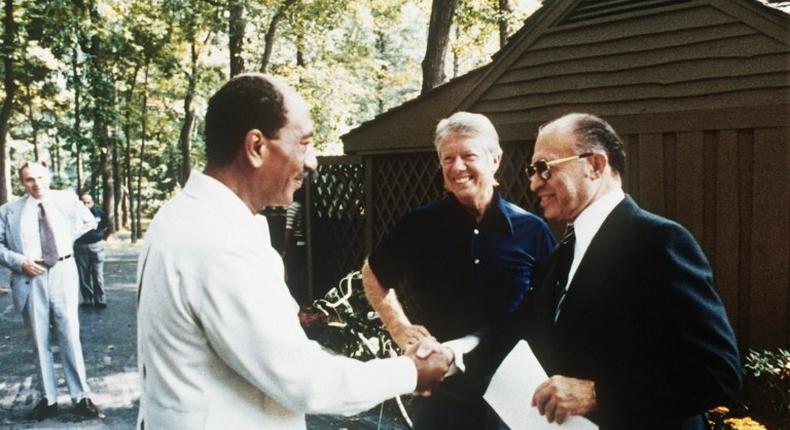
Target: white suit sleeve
{"points": [[82, 220], [251, 321]]}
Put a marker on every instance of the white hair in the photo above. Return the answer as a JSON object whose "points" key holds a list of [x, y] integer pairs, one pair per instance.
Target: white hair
{"points": [[472, 125]]}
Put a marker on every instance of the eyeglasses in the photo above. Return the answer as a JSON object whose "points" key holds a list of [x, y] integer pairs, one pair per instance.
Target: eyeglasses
{"points": [[543, 167]]}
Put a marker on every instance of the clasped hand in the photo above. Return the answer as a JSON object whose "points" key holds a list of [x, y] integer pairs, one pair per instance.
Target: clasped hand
{"points": [[432, 360]]}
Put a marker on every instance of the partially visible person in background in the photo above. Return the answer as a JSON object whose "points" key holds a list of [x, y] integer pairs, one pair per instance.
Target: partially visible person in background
{"points": [[89, 253], [295, 249], [37, 235]]}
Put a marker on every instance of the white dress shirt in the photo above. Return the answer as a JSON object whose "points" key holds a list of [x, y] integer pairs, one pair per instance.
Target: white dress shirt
{"points": [[588, 223], [219, 342], [29, 233]]}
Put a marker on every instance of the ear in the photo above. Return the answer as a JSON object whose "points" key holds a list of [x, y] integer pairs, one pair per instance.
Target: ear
{"points": [[255, 147], [598, 161], [496, 159]]}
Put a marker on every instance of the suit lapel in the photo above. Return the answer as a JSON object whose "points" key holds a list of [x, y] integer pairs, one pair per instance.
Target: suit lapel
{"points": [[15, 218], [599, 260]]}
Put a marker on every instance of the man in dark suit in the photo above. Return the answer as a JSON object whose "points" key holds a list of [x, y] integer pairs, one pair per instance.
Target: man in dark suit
{"points": [[624, 315]]}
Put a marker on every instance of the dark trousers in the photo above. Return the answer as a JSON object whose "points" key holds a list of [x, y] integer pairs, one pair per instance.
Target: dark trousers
{"points": [[445, 410], [296, 270], [90, 264]]}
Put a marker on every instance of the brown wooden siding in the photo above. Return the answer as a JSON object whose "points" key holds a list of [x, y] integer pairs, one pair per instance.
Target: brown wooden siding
{"points": [[700, 92], [685, 58], [729, 188]]}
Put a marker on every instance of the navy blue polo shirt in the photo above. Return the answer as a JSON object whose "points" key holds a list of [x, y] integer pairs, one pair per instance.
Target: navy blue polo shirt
{"points": [[454, 275]]}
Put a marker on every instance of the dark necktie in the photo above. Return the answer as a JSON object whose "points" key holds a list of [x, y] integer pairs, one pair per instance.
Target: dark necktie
{"points": [[49, 249], [564, 260]]}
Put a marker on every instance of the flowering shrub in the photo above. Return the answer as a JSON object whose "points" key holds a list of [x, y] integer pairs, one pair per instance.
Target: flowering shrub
{"points": [[718, 420], [769, 370]]}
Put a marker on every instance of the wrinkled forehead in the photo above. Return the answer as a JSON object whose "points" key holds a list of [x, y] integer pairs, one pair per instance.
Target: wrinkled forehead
{"points": [[463, 142], [555, 139]]}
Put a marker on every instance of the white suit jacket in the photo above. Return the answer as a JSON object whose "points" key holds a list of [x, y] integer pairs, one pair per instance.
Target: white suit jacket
{"points": [[78, 217], [219, 341]]}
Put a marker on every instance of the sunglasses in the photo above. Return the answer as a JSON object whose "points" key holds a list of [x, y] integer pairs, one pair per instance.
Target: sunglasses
{"points": [[543, 167]]}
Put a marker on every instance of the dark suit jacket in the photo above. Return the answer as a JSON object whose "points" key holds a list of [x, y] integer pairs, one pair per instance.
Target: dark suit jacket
{"points": [[642, 320]]}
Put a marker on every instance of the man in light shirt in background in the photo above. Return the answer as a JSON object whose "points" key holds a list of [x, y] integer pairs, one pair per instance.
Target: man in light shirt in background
{"points": [[37, 233]]}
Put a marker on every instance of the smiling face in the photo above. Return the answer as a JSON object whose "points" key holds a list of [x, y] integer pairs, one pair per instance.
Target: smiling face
{"points": [[468, 170], [35, 180], [569, 189], [289, 155]]}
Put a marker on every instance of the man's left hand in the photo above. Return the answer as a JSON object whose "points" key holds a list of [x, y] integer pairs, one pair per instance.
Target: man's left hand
{"points": [[561, 396]]}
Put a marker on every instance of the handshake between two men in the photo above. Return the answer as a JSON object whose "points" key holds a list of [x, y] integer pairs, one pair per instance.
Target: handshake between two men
{"points": [[432, 360]]}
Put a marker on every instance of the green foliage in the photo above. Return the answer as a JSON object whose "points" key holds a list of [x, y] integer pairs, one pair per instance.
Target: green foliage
{"points": [[350, 59], [770, 369]]}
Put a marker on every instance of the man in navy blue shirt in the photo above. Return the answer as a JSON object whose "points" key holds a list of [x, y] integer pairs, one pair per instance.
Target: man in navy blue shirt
{"points": [[89, 254], [461, 264]]}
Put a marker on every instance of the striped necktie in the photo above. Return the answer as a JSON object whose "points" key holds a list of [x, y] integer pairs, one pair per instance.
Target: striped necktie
{"points": [[564, 260]]}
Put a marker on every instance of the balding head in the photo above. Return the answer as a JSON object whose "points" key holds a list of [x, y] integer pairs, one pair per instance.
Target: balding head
{"points": [[591, 134]]}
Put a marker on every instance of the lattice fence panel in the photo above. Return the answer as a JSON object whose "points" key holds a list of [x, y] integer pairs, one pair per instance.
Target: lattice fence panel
{"points": [[514, 184], [338, 222], [402, 182]]}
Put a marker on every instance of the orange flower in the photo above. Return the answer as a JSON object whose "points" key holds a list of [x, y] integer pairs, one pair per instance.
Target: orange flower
{"points": [[745, 423]]}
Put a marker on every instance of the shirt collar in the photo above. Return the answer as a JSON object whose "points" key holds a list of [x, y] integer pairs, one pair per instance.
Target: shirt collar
{"points": [[206, 187], [589, 221], [496, 216]]}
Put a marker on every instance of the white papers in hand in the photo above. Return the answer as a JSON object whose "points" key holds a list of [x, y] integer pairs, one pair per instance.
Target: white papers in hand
{"points": [[511, 389]]}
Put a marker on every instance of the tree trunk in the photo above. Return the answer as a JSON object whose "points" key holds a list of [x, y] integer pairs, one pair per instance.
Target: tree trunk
{"points": [[442, 12], [116, 181], [102, 89], [185, 138], [9, 35], [144, 136], [381, 47], [236, 27], [57, 163], [504, 13], [268, 40], [456, 59], [77, 117], [129, 215], [300, 61], [32, 122]]}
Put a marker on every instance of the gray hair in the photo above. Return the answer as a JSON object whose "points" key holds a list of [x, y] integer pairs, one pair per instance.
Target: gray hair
{"points": [[472, 125], [34, 165]]}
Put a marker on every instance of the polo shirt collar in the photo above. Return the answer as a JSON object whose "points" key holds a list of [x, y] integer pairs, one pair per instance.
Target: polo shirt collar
{"points": [[496, 217]]}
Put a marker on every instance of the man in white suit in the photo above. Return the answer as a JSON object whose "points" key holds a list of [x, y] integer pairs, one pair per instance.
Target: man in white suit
{"points": [[219, 341], [37, 233]]}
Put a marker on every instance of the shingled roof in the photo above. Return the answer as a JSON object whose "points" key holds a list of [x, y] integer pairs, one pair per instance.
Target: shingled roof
{"points": [[612, 57]]}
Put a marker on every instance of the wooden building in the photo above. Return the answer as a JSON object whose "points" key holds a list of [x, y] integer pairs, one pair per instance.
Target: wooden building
{"points": [[698, 89]]}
